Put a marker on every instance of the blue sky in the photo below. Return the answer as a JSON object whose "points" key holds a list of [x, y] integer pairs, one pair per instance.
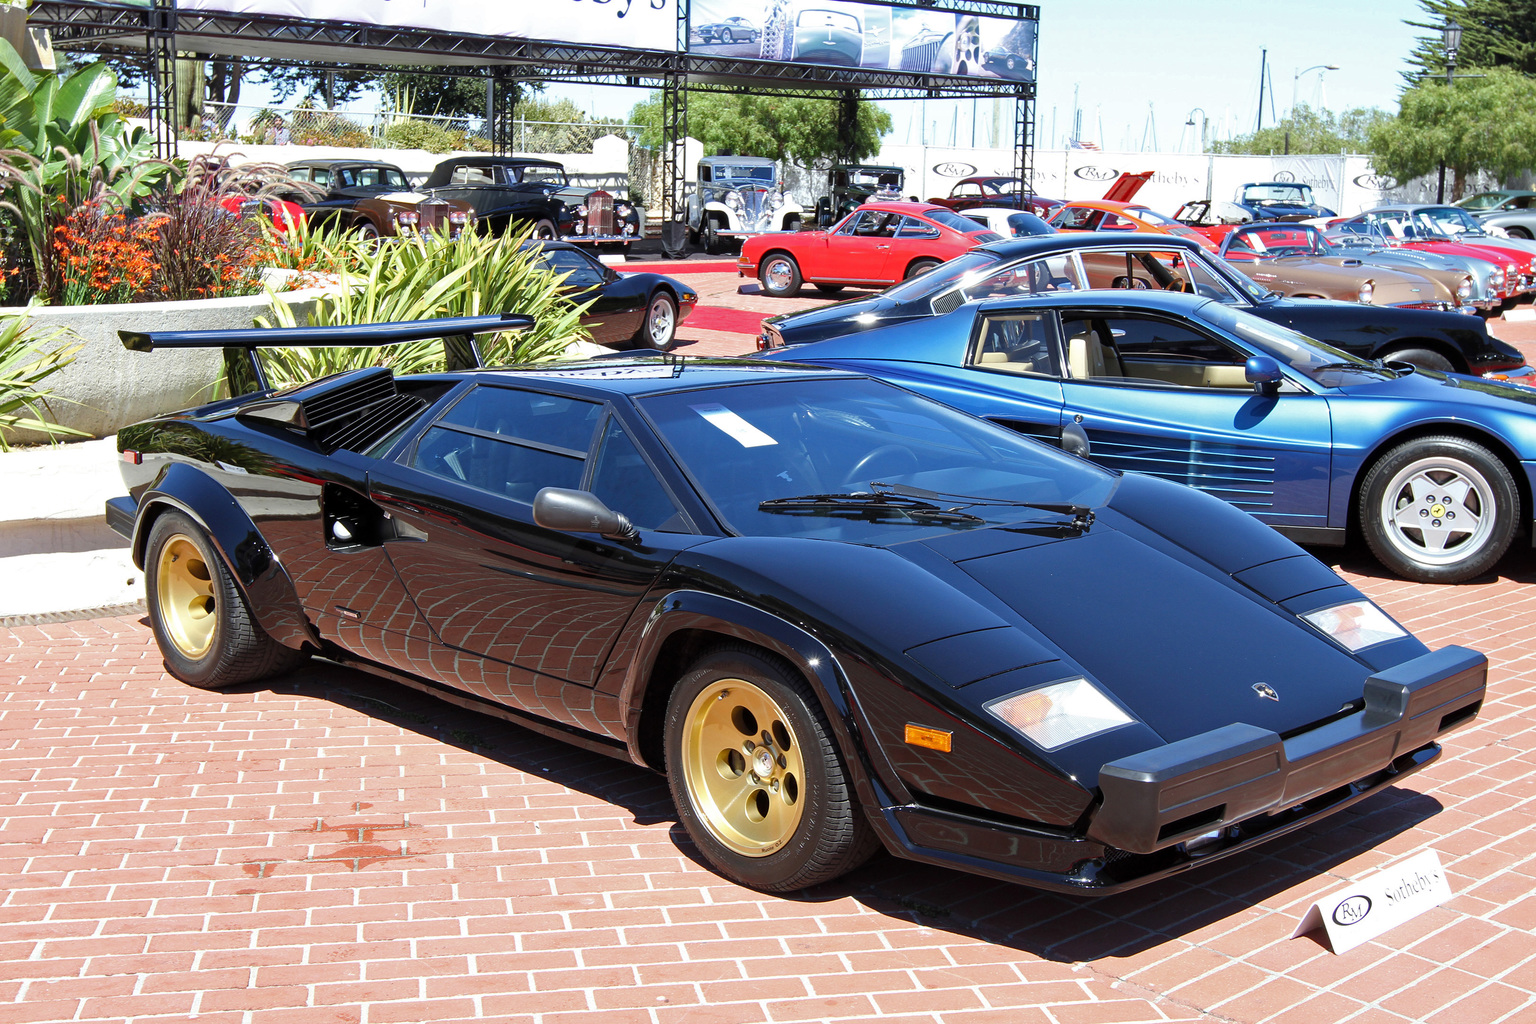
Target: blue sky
{"points": [[1177, 54]]}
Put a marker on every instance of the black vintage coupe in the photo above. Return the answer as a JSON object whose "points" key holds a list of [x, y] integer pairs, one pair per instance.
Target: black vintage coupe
{"points": [[837, 615], [627, 310], [503, 189]]}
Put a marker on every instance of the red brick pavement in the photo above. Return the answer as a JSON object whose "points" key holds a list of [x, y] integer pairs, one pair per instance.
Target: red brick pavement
{"points": [[332, 848]]}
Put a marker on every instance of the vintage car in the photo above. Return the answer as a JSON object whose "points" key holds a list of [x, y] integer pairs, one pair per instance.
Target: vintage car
{"points": [[371, 199], [1110, 215], [738, 197], [1511, 210], [852, 185], [1430, 467], [1296, 260], [1009, 223], [734, 29], [1488, 289], [1425, 337], [811, 599], [1455, 231], [627, 310], [1280, 200], [824, 36], [503, 189], [875, 245], [285, 216], [1007, 64], [995, 190]]}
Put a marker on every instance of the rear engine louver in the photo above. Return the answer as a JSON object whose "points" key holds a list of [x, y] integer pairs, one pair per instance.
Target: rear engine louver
{"points": [[352, 410]]}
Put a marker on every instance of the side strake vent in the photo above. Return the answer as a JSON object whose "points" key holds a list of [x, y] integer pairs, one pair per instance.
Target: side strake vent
{"points": [[350, 410]]}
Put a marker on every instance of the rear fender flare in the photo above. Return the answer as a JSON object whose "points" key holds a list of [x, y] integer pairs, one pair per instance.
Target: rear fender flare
{"points": [[263, 582]]}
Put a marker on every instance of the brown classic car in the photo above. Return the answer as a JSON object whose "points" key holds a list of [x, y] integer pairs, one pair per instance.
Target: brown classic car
{"points": [[1295, 260], [372, 199]]}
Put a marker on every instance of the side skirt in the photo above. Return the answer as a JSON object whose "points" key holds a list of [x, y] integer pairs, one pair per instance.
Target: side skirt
{"points": [[544, 727], [1321, 536]]}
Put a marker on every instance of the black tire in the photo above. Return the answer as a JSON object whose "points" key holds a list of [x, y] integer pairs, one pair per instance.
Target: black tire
{"points": [[1519, 232], [659, 328], [798, 823], [1423, 358], [1410, 501], [830, 289], [205, 631], [713, 243], [920, 267], [367, 235], [726, 37], [792, 222], [544, 229], [780, 275]]}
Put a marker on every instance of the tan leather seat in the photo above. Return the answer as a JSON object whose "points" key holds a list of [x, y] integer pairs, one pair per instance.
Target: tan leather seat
{"points": [[1088, 357]]}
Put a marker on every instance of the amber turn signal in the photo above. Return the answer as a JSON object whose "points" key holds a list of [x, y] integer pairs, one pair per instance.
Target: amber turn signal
{"points": [[933, 739]]}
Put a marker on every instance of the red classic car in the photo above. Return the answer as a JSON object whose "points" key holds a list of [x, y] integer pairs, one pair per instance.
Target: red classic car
{"points": [[876, 245], [1107, 215], [993, 190]]}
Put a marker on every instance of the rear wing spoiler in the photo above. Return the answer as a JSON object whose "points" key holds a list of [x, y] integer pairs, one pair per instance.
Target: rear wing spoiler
{"points": [[244, 370]]}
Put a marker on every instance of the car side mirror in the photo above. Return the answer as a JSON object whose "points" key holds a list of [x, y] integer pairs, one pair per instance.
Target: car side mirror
{"points": [[1074, 440], [1263, 372], [559, 508]]}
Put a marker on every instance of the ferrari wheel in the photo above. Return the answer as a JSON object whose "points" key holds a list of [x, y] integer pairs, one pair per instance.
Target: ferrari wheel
{"points": [[780, 275], [1439, 509], [200, 620], [758, 784], [659, 330]]}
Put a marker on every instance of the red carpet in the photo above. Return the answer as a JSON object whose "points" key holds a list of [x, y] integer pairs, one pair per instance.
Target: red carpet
{"points": [[718, 318], [677, 268]]}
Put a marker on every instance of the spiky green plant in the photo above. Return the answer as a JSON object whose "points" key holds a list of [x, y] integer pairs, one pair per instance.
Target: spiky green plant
{"points": [[25, 362], [422, 278]]}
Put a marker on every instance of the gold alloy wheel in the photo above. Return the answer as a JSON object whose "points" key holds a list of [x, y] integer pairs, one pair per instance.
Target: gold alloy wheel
{"points": [[184, 588], [742, 767]]}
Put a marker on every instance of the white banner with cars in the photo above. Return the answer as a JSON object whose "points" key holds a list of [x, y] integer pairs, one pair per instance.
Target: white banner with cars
{"points": [[644, 24]]}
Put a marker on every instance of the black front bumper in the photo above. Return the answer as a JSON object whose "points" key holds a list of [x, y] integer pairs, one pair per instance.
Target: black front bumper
{"points": [[1238, 785]]}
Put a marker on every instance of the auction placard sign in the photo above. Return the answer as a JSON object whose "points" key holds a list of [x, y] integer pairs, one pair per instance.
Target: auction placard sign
{"points": [[640, 24], [846, 33], [1378, 902]]}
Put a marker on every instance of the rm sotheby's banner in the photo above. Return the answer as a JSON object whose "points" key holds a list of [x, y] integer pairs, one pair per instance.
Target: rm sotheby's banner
{"points": [[646, 24]]}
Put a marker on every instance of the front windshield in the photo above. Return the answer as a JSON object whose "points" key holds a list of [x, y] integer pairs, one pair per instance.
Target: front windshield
{"points": [[752, 443], [1328, 366], [1289, 195], [754, 172], [1272, 242], [1481, 201], [869, 177], [1448, 220]]}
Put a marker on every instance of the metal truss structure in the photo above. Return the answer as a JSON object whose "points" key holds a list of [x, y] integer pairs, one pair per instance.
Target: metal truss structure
{"points": [[157, 30]]}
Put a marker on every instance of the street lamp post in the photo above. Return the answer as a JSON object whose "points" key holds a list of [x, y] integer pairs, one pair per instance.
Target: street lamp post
{"points": [[1296, 79], [1191, 123], [1452, 38]]}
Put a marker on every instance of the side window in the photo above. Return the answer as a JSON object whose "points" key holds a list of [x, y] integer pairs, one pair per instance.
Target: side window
{"points": [[344, 178], [321, 176], [582, 274], [1016, 343], [1079, 218], [299, 173], [967, 190], [510, 442], [911, 227], [624, 481], [1115, 222], [1047, 274], [464, 175], [1154, 351]]}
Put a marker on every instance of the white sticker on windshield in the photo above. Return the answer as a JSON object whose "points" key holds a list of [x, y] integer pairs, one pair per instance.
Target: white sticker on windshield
{"points": [[745, 433]]}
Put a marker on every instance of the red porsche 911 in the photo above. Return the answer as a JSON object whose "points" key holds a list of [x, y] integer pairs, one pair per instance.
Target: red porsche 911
{"points": [[876, 245]]}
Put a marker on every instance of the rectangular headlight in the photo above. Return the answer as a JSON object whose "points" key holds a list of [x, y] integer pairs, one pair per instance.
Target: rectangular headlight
{"points": [[1061, 713], [1356, 625]]}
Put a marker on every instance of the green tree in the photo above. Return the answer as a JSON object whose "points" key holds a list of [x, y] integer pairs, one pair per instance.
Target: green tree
{"points": [[1479, 124], [1495, 34], [804, 130], [1305, 130]]}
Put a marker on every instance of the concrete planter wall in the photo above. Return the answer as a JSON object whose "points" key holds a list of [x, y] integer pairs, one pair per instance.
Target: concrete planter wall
{"points": [[108, 387]]}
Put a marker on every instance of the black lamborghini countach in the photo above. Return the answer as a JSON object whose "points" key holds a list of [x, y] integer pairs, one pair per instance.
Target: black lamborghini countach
{"points": [[837, 615]]}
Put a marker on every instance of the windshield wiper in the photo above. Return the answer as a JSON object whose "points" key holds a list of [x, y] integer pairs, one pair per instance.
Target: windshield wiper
{"points": [[1375, 366], [1082, 516], [868, 505]]}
